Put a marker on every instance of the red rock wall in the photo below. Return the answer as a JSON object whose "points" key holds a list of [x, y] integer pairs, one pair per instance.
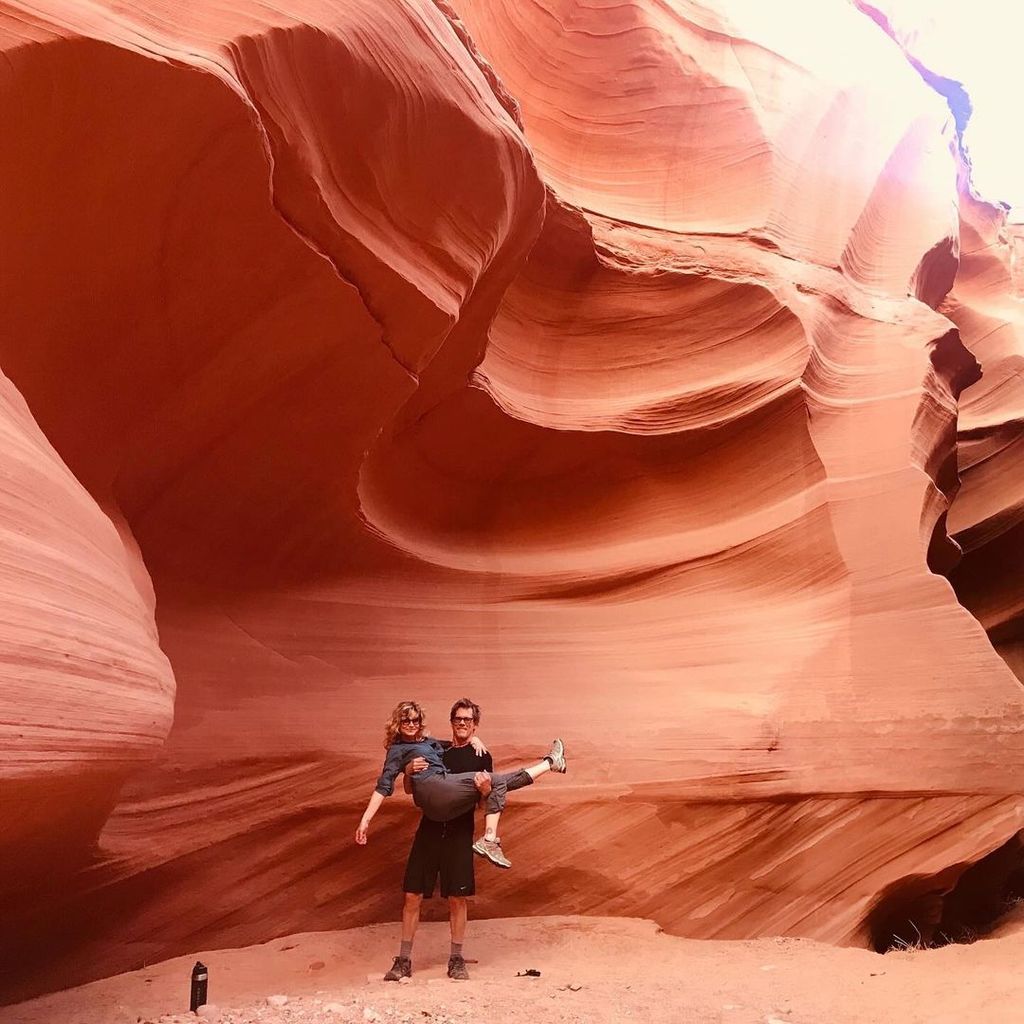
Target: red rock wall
{"points": [[579, 357], [88, 695], [987, 518]]}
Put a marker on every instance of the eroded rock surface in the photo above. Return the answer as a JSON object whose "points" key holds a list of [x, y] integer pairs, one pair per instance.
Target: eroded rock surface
{"points": [[987, 518], [587, 358]]}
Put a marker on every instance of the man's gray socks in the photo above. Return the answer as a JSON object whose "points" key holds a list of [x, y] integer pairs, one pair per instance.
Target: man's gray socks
{"points": [[406, 950], [456, 949]]}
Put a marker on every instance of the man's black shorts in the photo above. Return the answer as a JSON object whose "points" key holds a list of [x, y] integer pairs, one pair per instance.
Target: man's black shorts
{"points": [[445, 849]]}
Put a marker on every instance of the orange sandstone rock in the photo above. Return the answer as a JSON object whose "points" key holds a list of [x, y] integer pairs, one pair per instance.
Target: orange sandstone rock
{"points": [[87, 695], [987, 517], [581, 357]]}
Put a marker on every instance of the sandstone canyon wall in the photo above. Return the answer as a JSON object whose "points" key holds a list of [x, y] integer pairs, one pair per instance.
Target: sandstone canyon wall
{"points": [[598, 360], [987, 517]]}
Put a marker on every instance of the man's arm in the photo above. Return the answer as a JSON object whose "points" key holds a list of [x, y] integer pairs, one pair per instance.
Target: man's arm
{"points": [[487, 765]]}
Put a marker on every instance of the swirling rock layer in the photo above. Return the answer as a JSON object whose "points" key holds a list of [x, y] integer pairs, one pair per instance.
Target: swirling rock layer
{"points": [[87, 695], [987, 518], [980, 290], [581, 357]]}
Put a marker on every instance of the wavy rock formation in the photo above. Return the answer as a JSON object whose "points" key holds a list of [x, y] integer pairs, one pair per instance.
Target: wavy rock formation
{"points": [[578, 356], [88, 695], [981, 290], [987, 517]]}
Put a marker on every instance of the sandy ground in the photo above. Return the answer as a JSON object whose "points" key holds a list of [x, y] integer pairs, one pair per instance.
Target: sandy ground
{"points": [[593, 971]]}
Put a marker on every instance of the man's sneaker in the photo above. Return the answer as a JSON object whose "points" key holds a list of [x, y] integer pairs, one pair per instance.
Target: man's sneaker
{"points": [[557, 756], [401, 968], [491, 849], [457, 969]]}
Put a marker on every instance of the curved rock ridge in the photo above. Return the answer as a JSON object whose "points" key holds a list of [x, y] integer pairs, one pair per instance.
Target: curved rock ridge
{"points": [[661, 115], [276, 293], [981, 291], [87, 694], [629, 416], [562, 353], [987, 518]]}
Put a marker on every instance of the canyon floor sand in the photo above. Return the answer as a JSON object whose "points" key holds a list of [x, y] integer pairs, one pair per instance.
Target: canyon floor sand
{"points": [[593, 971]]}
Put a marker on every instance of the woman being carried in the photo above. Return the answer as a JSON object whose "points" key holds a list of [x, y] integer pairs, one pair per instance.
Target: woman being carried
{"points": [[442, 795]]}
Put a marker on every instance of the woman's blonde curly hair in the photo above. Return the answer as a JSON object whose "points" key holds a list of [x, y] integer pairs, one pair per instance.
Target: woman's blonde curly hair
{"points": [[402, 709]]}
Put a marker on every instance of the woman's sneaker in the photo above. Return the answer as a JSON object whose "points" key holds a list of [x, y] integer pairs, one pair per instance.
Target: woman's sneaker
{"points": [[401, 968], [556, 755], [491, 849]]}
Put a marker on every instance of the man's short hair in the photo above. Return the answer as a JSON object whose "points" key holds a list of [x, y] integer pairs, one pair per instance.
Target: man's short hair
{"points": [[468, 705]]}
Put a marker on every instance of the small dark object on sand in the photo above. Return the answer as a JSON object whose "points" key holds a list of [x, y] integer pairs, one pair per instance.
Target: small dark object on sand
{"points": [[198, 988], [530, 972]]}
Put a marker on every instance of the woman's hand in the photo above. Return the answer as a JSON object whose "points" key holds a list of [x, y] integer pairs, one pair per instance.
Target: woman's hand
{"points": [[417, 764], [376, 799], [478, 745]]}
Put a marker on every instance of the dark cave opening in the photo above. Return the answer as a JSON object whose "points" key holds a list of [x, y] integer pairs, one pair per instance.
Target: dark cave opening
{"points": [[954, 906]]}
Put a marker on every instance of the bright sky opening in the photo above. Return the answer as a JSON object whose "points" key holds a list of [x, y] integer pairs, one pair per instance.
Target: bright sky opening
{"points": [[978, 44]]}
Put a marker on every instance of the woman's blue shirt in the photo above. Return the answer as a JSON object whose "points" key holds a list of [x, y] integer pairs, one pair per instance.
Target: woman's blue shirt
{"points": [[401, 753]]}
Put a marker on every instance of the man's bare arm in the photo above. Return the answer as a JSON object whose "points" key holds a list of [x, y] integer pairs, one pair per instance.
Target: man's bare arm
{"points": [[483, 784]]}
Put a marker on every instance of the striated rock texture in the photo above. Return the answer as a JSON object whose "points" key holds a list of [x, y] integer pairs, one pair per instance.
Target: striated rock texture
{"points": [[987, 517], [87, 694], [986, 302], [580, 356]]}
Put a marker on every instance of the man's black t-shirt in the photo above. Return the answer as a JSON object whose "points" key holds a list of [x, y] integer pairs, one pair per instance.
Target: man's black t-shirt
{"points": [[464, 759]]}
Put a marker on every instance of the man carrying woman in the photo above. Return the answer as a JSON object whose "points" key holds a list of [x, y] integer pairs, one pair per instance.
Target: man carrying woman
{"points": [[446, 783]]}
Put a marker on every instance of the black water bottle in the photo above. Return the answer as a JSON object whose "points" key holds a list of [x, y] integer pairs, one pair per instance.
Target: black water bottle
{"points": [[199, 978]]}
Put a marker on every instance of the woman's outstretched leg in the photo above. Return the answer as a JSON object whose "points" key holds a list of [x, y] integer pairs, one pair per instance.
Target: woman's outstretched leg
{"points": [[502, 784]]}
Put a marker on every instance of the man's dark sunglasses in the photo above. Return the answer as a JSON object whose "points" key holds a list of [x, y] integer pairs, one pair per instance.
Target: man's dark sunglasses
{"points": [[463, 719]]}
